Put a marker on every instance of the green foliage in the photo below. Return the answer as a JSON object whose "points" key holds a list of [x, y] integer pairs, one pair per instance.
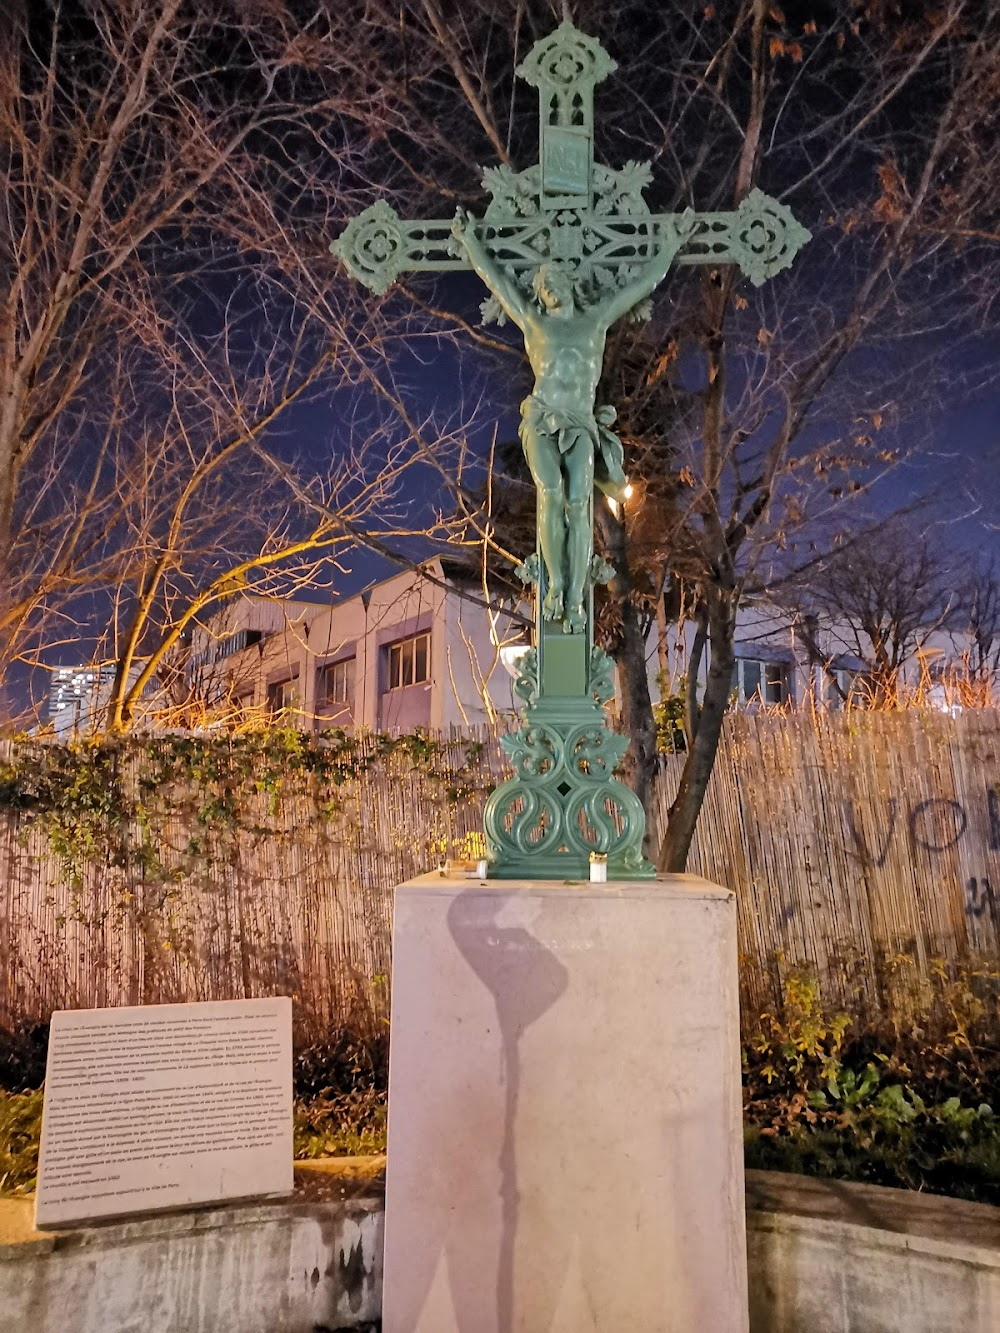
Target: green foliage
{"points": [[75, 794], [78, 785], [20, 1132], [829, 1097], [115, 803], [669, 717], [351, 1124], [800, 1046]]}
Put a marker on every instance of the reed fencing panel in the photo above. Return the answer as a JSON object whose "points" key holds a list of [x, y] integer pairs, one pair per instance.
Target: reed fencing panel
{"points": [[865, 845]]}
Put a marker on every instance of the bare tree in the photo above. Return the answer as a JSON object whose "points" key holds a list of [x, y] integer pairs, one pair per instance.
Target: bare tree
{"points": [[977, 625], [170, 171], [200, 536], [880, 599]]}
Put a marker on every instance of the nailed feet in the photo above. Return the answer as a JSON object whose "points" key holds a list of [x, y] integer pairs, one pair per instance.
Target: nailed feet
{"points": [[576, 619], [552, 606]]}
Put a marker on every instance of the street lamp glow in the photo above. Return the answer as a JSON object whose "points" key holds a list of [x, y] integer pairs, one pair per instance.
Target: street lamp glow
{"points": [[627, 493]]}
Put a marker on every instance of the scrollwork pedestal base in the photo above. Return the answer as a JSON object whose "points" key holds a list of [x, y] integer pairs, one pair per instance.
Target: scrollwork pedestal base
{"points": [[564, 802]]}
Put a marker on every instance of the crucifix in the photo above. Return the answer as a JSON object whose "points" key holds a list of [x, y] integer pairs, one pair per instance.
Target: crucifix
{"points": [[566, 248]]}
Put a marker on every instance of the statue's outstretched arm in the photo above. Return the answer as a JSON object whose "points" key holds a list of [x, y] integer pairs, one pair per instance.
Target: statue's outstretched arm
{"points": [[514, 304], [670, 237]]}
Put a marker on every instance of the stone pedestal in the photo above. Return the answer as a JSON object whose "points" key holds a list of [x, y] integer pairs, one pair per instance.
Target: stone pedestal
{"points": [[565, 1145]]}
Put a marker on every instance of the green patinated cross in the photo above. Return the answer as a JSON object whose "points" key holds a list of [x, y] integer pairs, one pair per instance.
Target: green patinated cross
{"points": [[566, 248]]}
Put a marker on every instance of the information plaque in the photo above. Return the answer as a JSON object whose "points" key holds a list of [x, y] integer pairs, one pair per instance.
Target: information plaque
{"points": [[165, 1106]]}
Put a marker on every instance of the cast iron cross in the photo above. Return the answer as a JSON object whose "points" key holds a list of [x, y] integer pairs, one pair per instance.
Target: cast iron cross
{"points": [[566, 248], [567, 207]]}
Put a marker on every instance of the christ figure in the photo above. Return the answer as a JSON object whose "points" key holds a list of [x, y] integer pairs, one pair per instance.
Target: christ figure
{"points": [[568, 444]]}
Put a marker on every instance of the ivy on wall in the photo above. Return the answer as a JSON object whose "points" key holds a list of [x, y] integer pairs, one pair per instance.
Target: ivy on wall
{"points": [[111, 802]]}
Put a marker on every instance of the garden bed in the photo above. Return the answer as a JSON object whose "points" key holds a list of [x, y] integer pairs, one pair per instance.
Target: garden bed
{"points": [[909, 1106]]}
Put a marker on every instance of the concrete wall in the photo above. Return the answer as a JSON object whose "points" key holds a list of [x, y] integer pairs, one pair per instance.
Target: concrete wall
{"points": [[825, 1257], [829, 1257], [260, 1268]]}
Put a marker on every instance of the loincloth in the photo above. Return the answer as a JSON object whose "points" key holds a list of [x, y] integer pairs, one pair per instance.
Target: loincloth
{"points": [[567, 428]]}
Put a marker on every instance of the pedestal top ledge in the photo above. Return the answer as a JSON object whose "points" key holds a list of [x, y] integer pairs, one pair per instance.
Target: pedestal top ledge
{"points": [[663, 887]]}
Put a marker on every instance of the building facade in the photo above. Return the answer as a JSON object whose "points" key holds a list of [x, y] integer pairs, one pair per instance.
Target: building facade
{"points": [[423, 649], [419, 649], [78, 697]]}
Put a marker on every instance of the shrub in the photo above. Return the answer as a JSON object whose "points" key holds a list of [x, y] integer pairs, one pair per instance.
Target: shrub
{"points": [[20, 1131], [668, 715], [345, 1062], [23, 1050], [826, 1097], [340, 1124]]}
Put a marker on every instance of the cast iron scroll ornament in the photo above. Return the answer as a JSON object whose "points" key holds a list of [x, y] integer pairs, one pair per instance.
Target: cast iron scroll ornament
{"points": [[566, 248]]}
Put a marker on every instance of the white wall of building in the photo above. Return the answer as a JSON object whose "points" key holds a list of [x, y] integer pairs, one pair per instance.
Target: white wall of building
{"points": [[443, 648], [326, 665], [78, 697]]}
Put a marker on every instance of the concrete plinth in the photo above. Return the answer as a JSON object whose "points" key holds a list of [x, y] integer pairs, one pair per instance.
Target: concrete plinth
{"points": [[565, 1144]]}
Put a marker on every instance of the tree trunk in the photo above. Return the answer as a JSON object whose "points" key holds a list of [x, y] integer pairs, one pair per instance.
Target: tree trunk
{"points": [[637, 711], [633, 678], [700, 760], [692, 674]]}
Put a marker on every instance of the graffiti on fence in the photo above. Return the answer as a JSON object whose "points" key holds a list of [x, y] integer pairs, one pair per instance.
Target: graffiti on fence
{"points": [[978, 896], [935, 825]]}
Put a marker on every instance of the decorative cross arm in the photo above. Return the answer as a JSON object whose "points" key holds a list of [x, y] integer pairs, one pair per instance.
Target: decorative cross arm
{"points": [[761, 237]]}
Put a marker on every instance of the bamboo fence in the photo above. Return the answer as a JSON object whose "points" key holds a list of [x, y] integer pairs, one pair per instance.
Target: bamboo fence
{"points": [[863, 845]]}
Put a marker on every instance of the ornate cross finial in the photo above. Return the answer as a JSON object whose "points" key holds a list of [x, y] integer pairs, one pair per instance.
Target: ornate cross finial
{"points": [[565, 67]]}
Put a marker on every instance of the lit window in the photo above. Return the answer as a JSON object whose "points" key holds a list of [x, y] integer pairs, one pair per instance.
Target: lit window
{"points": [[283, 694], [761, 682], [337, 684], [409, 661]]}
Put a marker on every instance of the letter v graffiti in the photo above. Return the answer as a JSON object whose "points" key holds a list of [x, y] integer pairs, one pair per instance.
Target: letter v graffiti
{"points": [[868, 856]]}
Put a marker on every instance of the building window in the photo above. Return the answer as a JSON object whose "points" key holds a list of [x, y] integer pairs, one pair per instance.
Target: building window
{"points": [[761, 682], [336, 684], [243, 703], [409, 662], [283, 695], [851, 687]]}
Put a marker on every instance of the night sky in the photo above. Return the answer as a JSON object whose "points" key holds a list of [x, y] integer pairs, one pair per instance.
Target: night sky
{"points": [[952, 432]]}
